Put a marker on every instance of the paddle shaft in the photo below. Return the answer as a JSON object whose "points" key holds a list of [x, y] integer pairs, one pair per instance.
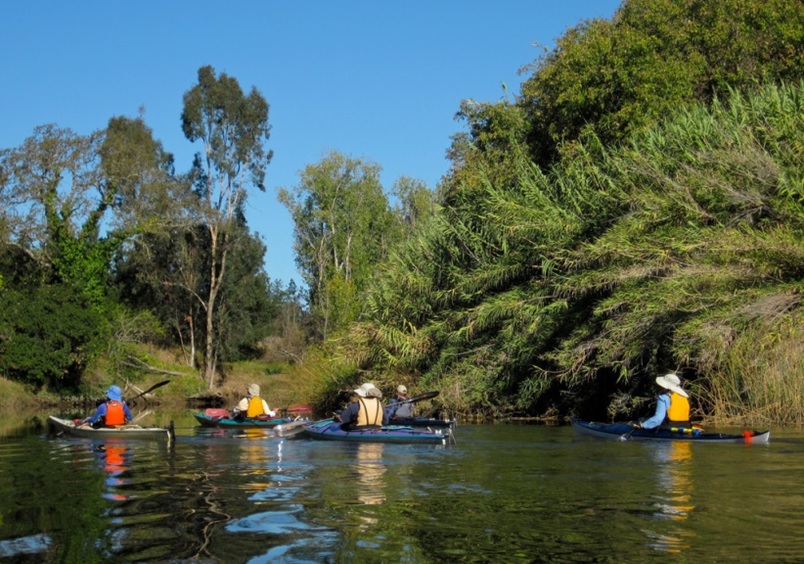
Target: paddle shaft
{"points": [[424, 396], [151, 389]]}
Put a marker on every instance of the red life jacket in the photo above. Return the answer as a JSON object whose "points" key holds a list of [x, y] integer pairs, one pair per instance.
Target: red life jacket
{"points": [[114, 414]]}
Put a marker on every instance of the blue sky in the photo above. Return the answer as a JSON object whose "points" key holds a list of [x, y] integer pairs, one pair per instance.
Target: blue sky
{"points": [[375, 80]]}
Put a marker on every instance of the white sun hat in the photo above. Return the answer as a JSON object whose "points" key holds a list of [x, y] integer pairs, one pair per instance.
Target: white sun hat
{"points": [[671, 382]]}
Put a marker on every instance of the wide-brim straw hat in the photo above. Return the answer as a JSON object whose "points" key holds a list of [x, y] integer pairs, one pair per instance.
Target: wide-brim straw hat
{"points": [[671, 382], [254, 390]]}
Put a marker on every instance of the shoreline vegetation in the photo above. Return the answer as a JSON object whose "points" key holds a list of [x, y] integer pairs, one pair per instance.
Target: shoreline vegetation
{"points": [[637, 208]]}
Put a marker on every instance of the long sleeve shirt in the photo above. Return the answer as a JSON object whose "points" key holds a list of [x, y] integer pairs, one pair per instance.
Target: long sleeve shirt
{"points": [[397, 409], [662, 405]]}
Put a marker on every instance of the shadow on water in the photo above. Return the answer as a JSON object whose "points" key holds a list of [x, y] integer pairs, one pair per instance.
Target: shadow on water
{"points": [[509, 493]]}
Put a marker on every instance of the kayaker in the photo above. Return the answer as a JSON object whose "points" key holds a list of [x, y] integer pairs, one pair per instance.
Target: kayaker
{"points": [[672, 406], [366, 411], [112, 412], [252, 405], [399, 406]]}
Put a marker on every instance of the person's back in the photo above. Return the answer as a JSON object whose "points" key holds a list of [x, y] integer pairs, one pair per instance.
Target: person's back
{"points": [[366, 411], [252, 405], [370, 413], [111, 412]]}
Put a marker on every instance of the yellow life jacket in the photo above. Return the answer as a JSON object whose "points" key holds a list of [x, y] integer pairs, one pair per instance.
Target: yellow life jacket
{"points": [[254, 407], [370, 412], [679, 410]]}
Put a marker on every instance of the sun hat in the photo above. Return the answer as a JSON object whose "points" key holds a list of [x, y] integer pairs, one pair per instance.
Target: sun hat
{"points": [[363, 389], [373, 392], [402, 389], [114, 393], [671, 382], [254, 390]]}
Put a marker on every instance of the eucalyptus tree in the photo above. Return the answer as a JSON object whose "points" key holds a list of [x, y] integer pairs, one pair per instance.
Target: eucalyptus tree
{"points": [[344, 227], [415, 203], [233, 129]]}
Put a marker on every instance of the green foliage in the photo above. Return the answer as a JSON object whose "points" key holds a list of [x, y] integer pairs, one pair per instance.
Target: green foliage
{"points": [[233, 129], [615, 77], [343, 227], [48, 335], [605, 267]]}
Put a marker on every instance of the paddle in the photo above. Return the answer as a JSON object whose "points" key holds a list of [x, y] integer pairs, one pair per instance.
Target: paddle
{"points": [[151, 389], [424, 396]]}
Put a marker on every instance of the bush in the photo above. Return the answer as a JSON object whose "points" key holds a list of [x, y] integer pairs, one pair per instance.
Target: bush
{"points": [[47, 335]]}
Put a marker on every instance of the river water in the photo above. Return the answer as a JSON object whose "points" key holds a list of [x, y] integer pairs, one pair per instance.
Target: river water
{"points": [[502, 493]]}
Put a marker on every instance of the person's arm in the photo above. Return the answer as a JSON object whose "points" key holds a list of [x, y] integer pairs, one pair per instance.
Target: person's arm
{"points": [[348, 414], [100, 412], [661, 410], [127, 412], [267, 409], [242, 406]]}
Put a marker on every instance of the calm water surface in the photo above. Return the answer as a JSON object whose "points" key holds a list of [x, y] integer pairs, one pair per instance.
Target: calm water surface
{"points": [[503, 493]]}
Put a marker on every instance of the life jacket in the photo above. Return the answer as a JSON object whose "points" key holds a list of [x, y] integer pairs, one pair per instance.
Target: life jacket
{"points": [[254, 407], [679, 410], [114, 414], [370, 412]]}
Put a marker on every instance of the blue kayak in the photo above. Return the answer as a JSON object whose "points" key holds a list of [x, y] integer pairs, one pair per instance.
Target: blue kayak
{"points": [[625, 431], [422, 422], [334, 431]]}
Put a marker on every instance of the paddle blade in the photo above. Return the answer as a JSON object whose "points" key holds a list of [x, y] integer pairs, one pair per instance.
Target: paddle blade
{"points": [[424, 396]]}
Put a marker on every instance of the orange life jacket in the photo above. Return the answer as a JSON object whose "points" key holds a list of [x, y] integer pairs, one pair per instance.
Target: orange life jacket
{"points": [[679, 410], [255, 407], [114, 414], [370, 412]]}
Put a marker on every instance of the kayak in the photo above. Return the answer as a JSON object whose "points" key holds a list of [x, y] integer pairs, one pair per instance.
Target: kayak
{"points": [[119, 432], [625, 431], [333, 431], [210, 420], [422, 422]]}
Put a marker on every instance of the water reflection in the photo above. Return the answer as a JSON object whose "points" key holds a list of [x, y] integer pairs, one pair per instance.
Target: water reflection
{"points": [[371, 471], [674, 477], [114, 456]]}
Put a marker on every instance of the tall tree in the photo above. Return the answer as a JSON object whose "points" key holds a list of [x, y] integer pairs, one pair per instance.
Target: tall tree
{"points": [[233, 129], [343, 228], [415, 203]]}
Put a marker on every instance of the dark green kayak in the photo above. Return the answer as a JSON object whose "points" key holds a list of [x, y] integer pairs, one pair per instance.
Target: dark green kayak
{"points": [[248, 423]]}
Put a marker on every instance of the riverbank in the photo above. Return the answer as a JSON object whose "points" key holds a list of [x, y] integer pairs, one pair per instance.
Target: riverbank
{"points": [[280, 388]]}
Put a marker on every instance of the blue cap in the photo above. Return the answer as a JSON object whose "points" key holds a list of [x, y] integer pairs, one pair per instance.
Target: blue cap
{"points": [[115, 393]]}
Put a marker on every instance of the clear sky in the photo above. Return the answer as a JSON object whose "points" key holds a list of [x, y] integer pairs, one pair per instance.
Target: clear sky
{"points": [[377, 80]]}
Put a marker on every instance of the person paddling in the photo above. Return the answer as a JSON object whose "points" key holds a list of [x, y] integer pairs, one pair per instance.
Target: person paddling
{"points": [[366, 411], [672, 406], [112, 412], [252, 405], [399, 407]]}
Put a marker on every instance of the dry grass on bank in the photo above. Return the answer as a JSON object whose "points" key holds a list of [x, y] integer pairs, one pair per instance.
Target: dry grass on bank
{"points": [[15, 397]]}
